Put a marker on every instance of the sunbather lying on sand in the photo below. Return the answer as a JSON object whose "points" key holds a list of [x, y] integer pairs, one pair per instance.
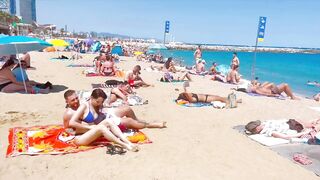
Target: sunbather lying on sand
{"points": [[168, 77], [278, 129], [205, 98], [270, 89]]}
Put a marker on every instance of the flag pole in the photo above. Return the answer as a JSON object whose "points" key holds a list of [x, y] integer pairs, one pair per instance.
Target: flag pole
{"points": [[254, 56]]}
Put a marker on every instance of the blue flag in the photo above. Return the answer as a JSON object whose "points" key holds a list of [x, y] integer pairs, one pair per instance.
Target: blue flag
{"points": [[261, 28], [167, 27]]}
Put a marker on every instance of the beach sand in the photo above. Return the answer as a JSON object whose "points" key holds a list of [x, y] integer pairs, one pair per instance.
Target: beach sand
{"points": [[199, 143]]}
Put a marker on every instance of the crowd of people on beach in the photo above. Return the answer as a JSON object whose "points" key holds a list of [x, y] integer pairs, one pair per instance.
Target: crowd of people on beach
{"points": [[92, 118]]}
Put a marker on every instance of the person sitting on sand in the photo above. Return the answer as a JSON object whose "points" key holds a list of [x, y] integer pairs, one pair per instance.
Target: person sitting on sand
{"points": [[21, 75], [88, 121], [107, 67], [134, 79], [121, 91], [200, 67], [204, 98], [270, 89], [217, 76], [277, 129], [233, 76], [9, 83], [26, 58], [169, 65], [98, 61], [124, 117]]}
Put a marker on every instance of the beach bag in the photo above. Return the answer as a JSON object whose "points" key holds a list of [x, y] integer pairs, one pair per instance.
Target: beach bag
{"points": [[232, 99]]}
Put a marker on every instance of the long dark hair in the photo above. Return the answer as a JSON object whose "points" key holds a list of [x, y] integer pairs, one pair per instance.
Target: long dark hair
{"points": [[97, 93], [7, 63], [167, 63]]}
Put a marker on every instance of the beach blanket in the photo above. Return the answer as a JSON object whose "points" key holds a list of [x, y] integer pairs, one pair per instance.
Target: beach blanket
{"points": [[118, 73], [188, 104], [80, 65], [53, 139], [290, 150]]}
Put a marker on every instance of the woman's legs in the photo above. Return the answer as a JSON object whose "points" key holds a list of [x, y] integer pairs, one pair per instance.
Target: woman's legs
{"points": [[286, 88], [96, 132], [125, 111], [186, 75], [135, 124], [116, 131], [12, 88]]}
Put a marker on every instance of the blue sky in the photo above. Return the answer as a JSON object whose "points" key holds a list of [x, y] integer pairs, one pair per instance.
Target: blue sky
{"points": [[289, 22]]}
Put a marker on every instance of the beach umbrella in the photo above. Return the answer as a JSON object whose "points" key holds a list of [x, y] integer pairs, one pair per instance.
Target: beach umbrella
{"points": [[58, 42], [89, 42], [21, 44], [157, 47], [137, 53]]}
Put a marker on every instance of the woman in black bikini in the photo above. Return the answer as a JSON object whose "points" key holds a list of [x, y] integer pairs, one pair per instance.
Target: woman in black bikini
{"points": [[205, 98]]}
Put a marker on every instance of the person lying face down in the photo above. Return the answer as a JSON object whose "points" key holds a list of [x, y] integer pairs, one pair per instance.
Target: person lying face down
{"points": [[278, 129]]}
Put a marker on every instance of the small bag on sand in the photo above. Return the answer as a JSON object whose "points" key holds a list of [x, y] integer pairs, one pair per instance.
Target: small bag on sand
{"points": [[232, 100]]}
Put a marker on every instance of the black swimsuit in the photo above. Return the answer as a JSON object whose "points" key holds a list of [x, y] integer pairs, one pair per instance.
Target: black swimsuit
{"points": [[4, 85], [195, 96]]}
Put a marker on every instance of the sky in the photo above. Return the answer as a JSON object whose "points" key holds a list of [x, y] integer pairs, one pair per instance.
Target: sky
{"points": [[293, 23]]}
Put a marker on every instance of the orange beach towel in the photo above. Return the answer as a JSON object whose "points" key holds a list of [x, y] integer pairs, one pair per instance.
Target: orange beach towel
{"points": [[53, 139]]}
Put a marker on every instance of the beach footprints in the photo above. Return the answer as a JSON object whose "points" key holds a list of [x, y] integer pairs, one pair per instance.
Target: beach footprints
{"points": [[11, 117]]}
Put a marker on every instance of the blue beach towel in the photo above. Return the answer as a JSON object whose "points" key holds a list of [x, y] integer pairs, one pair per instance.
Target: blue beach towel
{"points": [[199, 104]]}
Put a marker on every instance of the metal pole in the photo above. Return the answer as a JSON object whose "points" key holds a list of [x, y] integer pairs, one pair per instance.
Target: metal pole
{"points": [[24, 81], [164, 38], [254, 56]]}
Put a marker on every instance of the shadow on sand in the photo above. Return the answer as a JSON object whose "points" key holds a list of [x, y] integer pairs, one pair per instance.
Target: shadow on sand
{"points": [[58, 88]]}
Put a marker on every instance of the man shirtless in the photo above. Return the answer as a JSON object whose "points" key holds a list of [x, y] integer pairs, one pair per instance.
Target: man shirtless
{"points": [[270, 89], [134, 79], [235, 60], [233, 76], [123, 116]]}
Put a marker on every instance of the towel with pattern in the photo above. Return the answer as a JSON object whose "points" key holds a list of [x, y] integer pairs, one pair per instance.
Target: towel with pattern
{"points": [[53, 139]]}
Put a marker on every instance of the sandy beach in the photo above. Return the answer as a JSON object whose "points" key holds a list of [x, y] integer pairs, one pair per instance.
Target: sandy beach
{"points": [[199, 143]]}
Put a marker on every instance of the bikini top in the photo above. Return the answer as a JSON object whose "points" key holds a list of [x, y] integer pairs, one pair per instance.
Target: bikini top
{"points": [[89, 118]]}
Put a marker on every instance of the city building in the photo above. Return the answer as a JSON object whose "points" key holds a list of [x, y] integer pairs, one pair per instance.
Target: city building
{"points": [[28, 11]]}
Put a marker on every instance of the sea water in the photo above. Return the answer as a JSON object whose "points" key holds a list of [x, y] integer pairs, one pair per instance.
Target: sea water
{"points": [[294, 69]]}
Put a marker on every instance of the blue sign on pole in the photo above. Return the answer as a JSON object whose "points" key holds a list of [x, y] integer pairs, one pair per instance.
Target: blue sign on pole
{"points": [[167, 27], [261, 28]]}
